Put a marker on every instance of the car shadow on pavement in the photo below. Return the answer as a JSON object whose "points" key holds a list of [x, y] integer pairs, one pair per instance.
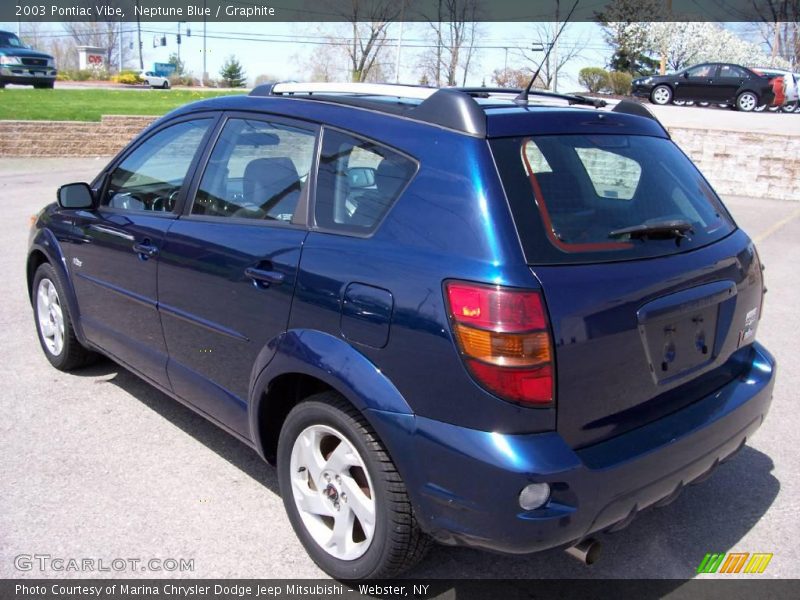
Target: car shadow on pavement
{"points": [[668, 542], [214, 438]]}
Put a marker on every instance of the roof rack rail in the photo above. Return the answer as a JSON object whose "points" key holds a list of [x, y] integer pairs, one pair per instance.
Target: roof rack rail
{"points": [[445, 107], [364, 89], [481, 92]]}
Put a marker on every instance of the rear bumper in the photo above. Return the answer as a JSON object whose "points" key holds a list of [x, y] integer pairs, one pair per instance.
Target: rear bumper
{"points": [[465, 490]]}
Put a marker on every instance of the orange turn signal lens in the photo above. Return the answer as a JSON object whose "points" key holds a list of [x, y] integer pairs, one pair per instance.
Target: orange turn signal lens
{"points": [[504, 349]]}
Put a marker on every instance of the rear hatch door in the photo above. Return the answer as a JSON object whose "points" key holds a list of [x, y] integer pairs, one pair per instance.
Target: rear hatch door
{"points": [[653, 294]]}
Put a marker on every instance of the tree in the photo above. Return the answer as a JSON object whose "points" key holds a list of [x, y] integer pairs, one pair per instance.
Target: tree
{"points": [[680, 43], [543, 36], [627, 24], [363, 37], [232, 73], [685, 44], [455, 31], [781, 28], [515, 78], [101, 34], [180, 67]]}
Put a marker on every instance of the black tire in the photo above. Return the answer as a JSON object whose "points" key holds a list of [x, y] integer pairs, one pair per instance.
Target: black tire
{"points": [[165, 85], [72, 354], [44, 86], [397, 542], [790, 107], [661, 95], [747, 102]]}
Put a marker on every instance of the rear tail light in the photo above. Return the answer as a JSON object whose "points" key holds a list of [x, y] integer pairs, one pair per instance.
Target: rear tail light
{"points": [[503, 337]]}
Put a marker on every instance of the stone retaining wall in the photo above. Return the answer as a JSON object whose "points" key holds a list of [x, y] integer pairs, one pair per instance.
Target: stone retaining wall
{"points": [[69, 138], [740, 163], [735, 162]]}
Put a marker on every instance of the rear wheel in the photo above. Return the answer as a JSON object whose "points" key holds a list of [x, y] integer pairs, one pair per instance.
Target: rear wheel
{"points": [[661, 94], [790, 107], [344, 497], [747, 102], [54, 323], [165, 85]]}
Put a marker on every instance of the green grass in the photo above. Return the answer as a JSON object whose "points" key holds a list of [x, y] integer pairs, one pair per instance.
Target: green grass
{"points": [[89, 105]]}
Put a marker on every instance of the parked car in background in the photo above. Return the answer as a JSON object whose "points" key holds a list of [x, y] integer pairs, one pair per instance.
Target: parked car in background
{"points": [[22, 65], [784, 84], [718, 83], [444, 315], [155, 81]]}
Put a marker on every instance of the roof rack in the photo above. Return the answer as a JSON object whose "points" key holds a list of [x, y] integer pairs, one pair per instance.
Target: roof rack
{"points": [[481, 92], [445, 107], [450, 107]]}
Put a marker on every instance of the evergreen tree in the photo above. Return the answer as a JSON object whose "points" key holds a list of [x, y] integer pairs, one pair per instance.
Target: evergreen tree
{"points": [[232, 73]]}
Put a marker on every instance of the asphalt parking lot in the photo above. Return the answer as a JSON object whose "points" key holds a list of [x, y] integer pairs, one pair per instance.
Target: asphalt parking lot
{"points": [[97, 464]]}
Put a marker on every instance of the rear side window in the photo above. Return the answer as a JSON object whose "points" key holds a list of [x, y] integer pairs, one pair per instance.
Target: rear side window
{"points": [[357, 183], [258, 170], [575, 198]]}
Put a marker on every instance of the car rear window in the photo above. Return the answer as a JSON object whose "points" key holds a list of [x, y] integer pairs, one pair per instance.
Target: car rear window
{"points": [[572, 194]]}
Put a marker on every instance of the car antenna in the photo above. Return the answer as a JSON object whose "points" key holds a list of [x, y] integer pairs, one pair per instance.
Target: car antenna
{"points": [[522, 99]]}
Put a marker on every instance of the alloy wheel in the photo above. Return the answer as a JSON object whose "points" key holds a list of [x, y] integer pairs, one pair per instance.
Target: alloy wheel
{"points": [[51, 317], [333, 492]]}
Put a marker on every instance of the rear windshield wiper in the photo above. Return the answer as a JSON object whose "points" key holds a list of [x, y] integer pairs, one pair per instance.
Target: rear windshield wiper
{"points": [[655, 229]]}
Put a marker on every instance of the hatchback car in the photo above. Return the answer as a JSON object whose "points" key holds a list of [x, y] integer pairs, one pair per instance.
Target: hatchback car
{"points": [[445, 314], [717, 83], [154, 80]]}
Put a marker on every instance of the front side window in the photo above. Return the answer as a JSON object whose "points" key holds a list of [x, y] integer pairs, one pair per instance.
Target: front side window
{"points": [[258, 170], [357, 183], [150, 178], [593, 197]]}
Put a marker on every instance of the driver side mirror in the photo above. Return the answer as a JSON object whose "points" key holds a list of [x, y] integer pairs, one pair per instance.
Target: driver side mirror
{"points": [[75, 195], [686, 75]]}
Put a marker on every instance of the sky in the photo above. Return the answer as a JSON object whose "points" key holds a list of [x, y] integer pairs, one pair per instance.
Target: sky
{"points": [[291, 44]]}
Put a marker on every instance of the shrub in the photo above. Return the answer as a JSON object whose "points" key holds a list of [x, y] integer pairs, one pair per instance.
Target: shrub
{"points": [[594, 79], [127, 78], [620, 82]]}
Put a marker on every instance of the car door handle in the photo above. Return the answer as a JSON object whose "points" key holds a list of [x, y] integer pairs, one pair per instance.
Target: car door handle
{"points": [[145, 250], [263, 278]]}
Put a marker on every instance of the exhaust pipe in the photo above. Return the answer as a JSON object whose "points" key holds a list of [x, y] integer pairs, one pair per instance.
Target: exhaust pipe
{"points": [[587, 551]]}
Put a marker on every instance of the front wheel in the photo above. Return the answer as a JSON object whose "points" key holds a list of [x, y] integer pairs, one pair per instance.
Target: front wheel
{"points": [[747, 102], [344, 497], [661, 95], [54, 323]]}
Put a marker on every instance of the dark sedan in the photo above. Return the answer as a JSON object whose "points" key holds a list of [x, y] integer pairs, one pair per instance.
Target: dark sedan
{"points": [[720, 83]]}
